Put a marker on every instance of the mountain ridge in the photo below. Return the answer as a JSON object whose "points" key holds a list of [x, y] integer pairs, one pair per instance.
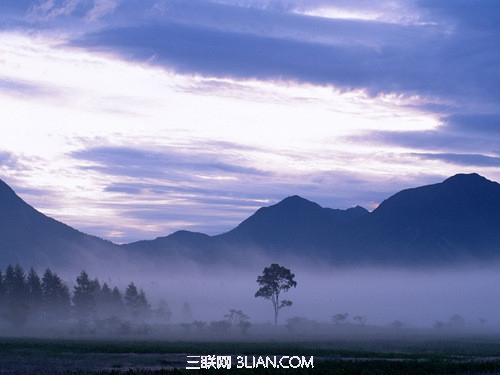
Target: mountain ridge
{"points": [[26, 233], [458, 218]]}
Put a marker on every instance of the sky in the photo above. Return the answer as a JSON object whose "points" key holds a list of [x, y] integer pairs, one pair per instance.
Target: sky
{"points": [[131, 119]]}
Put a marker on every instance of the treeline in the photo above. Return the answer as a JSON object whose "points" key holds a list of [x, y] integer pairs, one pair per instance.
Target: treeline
{"points": [[25, 298]]}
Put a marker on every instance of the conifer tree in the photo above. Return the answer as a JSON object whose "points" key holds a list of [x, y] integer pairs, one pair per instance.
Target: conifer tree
{"points": [[143, 305], [137, 303], [131, 295], [35, 293], [163, 311], [16, 308], [56, 297], [117, 305], [85, 297], [103, 301], [187, 314], [109, 302]]}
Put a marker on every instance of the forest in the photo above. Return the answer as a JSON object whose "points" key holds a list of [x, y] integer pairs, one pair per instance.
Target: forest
{"points": [[46, 303], [90, 305]]}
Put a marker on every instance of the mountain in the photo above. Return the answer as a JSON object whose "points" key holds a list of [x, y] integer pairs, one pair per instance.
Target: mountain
{"points": [[293, 227], [458, 218], [294, 223], [181, 245], [448, 222], [453, 221], [28, 236]]}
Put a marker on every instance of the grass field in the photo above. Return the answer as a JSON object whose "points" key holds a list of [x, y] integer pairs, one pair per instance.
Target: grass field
{"points": [[468, 354]]}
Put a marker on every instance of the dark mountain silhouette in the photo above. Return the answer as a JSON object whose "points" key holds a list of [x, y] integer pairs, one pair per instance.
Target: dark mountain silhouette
{"points": [[294, 223], [458, 218], [28, 236], [180, 245], [294, 226], [449, 222]]}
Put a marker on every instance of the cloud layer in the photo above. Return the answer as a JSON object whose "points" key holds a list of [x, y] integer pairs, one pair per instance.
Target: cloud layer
{"points": [[159, 115]]}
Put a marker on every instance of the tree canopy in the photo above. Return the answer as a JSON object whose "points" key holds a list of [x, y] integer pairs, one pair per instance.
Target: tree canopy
{"points": [[274, 280], [48, 299]]}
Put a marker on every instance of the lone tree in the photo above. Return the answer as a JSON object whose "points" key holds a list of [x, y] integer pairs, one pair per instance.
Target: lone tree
{"points": [[272, 282]]}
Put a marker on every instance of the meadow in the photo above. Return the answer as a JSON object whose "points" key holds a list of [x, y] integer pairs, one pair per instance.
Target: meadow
{"points": [[391, 353]]}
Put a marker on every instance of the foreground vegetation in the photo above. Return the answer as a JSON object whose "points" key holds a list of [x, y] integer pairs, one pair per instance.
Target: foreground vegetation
{"points": [[45, 328], [447, 355]]}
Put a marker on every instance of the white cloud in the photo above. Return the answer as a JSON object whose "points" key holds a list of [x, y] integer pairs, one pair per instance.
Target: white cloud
{"points": [[293, 132], [102, 8], [52, 8], [401, 12], [339, 13]]}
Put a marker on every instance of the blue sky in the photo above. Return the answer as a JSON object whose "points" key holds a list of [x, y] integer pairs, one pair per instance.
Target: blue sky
{"points": [[132, 119]]}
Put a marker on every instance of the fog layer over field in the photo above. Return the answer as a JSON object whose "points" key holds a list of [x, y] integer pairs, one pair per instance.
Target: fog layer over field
{"points": [[415, 297]]}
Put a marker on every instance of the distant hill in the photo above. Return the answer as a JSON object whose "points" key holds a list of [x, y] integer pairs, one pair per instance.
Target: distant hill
{"points": [[181, 245], [27, 236], [445, 223], [293, 224]]}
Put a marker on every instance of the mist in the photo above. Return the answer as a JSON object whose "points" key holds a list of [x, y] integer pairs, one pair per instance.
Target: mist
{"points": [[415, 298]]}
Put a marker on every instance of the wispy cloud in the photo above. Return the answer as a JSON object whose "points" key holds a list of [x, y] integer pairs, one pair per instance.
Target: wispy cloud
{"points": [[25, 88], [7, 159], [160, 115], [486, 124], [53, 8], [475, 160], [102, 8], [460, 135], [87, 10], [425, 58], [172, 164]]}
